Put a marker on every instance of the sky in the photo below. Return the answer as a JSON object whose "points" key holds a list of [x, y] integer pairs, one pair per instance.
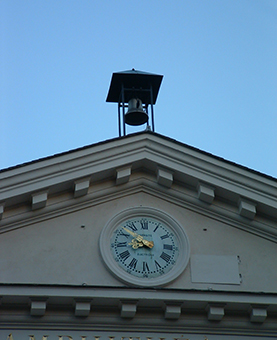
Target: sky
{"points": [[218, 59]]}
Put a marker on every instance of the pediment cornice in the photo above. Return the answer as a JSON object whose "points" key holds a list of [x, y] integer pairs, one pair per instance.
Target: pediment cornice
{"points": [[171, 163]]}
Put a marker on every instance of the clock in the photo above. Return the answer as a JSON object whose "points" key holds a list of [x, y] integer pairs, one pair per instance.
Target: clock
{"points": [[144, 247]]}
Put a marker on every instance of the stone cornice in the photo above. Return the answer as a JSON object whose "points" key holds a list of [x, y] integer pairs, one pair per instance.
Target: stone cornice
{"points": [[185, 199], [150, 152], [227, 308]]}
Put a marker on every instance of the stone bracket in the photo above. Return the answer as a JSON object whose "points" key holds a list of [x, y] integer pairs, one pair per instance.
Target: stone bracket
{"points": [[247, 208], [39, 200], [172, 310], [81, 187], [38, 307], [258, 313], [205, 192], [128, 308], [164, 177], [215, 311], [123, 175], [82, 307], [2, 206]]}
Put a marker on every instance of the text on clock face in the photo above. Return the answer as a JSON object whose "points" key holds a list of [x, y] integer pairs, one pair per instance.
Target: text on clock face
{"points": [[144, 247]]}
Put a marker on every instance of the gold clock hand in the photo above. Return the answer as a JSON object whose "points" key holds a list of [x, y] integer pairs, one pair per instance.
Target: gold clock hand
{"points": [[135, 244], [130, 232], [139, 238], [149, 244]]}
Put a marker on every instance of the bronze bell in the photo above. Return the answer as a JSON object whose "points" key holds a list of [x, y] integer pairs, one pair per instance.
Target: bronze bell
{"points": [[135, 114]]}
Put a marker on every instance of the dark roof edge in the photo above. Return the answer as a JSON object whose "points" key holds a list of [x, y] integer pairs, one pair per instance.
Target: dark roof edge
{"points": [[136, 134]]}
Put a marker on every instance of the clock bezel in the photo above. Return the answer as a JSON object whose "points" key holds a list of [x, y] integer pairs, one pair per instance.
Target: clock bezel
{"points": [[124, 276]]}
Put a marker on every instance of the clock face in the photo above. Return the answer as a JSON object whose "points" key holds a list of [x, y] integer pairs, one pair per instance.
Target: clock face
{"points": [[144, 247]]}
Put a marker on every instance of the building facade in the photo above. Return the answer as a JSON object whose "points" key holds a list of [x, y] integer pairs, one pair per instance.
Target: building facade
{"points": [[140, 237]]}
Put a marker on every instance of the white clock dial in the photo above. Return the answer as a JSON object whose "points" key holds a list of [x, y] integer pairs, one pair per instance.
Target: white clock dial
{"points": [[140, 259], [144, 247]]}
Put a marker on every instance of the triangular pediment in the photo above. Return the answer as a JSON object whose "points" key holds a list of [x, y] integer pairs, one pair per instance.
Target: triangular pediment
{"points": [[175, 170]]}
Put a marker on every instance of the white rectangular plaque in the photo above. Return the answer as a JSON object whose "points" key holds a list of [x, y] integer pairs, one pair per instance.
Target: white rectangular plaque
{"points": [[217, 269]]}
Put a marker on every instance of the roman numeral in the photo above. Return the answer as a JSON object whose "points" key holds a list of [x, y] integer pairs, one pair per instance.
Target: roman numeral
{"points": [[164, 236], [165, 257], [145, 267], [158, 266], [123, 234], [133, 263], [168, 246], [144, 224], [132, 226], [121, 244], [156, 227], [124, 255]]}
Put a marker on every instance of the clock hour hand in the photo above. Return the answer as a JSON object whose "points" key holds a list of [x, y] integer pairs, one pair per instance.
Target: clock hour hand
{"points": [[149, 244], [139, 238], [135, 244]]}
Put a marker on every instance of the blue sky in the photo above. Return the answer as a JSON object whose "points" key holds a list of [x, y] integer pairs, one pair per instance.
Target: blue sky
{"points": [[218, 58]]}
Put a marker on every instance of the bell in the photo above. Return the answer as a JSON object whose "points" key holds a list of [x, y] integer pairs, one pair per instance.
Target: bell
{"points": [[135, 114]]}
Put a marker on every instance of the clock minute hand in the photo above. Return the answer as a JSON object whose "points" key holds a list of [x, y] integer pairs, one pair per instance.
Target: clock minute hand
{"points": [[130, 232], [139, 238]]}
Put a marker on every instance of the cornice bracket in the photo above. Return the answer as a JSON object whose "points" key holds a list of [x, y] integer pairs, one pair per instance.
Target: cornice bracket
{"points": [[215, 311], [82, 307], [81, 187], [123, 175], [247, 208], [258, 313], [39, 200], [164, 177], [205, 192], [38, 306], [172, 310], [2, 206], [128, 308]]}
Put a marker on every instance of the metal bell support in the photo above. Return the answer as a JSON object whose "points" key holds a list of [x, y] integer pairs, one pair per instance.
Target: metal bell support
{"points": [[134, 90]]}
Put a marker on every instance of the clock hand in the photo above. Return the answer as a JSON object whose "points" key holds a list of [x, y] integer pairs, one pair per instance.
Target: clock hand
{"points": [[135, 244], [130, 232], [139, 238], [149, 244]]}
